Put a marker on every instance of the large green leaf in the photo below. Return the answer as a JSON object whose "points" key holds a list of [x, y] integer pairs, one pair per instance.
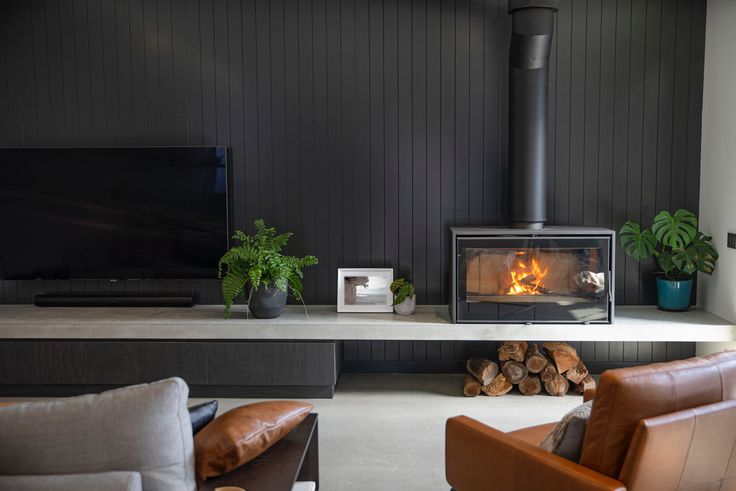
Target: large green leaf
{"points": [[636, 242], [675, 230], [665, 261], [700, 255]]}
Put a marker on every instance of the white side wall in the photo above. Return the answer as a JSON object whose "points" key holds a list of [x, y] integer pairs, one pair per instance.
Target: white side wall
{"points": [[718, 160]]}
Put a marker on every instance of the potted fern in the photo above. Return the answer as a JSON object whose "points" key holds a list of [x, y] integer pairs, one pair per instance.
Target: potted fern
{"points": [[405, 299], [679, 248], [257, 263]]}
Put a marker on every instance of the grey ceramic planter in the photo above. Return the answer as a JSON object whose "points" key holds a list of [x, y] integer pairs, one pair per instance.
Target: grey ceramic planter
{"points": [[407, 306], [267, 302]]}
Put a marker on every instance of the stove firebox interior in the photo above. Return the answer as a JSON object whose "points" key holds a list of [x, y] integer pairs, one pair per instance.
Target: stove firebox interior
{"points": [[553, 275]]}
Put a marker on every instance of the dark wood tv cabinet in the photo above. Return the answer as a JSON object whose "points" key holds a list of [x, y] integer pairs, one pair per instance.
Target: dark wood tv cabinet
{"points": [[68, 351], [211, 368]]}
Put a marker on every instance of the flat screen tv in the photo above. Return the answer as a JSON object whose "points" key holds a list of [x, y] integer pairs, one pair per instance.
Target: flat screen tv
{"points": [[112, 213]]}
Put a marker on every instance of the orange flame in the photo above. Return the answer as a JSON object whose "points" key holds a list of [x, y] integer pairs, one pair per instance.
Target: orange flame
{"points": [[526, 280]]}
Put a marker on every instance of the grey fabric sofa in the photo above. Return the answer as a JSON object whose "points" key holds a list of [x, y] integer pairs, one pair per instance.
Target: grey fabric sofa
{"points": [[129, 439], [108, 481]]}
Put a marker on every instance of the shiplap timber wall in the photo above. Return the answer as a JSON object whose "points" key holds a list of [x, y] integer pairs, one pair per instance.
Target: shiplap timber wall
{"points": [[367, 127], [450, 356]]}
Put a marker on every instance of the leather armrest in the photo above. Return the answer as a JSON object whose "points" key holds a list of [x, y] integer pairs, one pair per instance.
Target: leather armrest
{"points": [[476, 455], [588, 395]]}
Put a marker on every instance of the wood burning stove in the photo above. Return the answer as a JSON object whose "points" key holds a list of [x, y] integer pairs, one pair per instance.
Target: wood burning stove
{"points": [[550, 275], [531, 273]]}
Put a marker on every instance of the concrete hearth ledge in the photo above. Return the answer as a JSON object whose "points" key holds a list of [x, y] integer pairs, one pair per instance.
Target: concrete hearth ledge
{"points": [[429, 323]]}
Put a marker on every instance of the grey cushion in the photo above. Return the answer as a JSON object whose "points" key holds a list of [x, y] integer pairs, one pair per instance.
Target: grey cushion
{"points": [[104, 481], [566, 440], [144, 428]]}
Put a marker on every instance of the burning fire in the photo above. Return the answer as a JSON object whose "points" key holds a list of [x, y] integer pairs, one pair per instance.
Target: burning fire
{"points": [[526, 277]]}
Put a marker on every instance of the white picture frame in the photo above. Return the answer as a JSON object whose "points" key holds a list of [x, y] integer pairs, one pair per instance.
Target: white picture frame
{"points": [[369, 292]]}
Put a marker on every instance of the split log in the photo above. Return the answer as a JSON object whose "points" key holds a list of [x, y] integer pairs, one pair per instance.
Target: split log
{"points": [[587, 383], [498, 387], [535, 360], [482, 369], [558, 386], [514, 371], [590, 282], [563, 355], [548, 372], [512, 350], [471, 386], [530, 386], [577, 373]]}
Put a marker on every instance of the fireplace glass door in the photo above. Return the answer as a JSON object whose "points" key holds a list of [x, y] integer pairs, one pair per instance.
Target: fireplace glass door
{"points": [[533, 279]]}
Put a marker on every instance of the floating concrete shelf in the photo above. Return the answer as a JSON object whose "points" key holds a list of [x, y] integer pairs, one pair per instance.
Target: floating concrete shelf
{"points": [[430, 323]]}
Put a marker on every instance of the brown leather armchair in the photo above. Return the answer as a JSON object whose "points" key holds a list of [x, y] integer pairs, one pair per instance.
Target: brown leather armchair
{"points": [[662, 427]]}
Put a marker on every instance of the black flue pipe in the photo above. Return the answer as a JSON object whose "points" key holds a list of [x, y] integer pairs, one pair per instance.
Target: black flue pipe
{"points": [[531, 39]]}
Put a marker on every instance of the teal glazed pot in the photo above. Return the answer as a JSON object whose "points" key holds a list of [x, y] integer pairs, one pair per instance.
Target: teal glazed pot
{"points": [[674, 295]]}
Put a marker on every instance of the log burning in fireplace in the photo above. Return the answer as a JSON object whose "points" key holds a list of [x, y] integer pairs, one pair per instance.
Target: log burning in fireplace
{"points": [[555, 368], [527, 275], [492, 275]]}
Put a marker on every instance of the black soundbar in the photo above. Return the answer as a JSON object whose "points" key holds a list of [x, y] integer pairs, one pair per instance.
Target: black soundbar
{"points": [[89, 300]]}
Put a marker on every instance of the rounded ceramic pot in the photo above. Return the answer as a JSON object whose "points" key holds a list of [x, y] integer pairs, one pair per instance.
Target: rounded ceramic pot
{"points": [[674, 295], [407, 306], [267, 302]]}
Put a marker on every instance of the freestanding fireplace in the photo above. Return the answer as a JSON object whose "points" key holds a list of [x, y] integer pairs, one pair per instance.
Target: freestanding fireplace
{"points": [[552, 275], [530, 273]]}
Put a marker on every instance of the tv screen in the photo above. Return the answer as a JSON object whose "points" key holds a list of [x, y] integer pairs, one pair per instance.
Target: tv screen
{"points": [[115, 213]]}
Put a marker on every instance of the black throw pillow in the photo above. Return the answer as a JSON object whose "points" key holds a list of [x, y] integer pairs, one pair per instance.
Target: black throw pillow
{"points": [[201, 415]]}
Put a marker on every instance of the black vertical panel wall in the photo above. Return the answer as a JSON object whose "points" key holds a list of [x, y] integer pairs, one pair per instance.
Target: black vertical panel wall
{"points": [[366, 127]]}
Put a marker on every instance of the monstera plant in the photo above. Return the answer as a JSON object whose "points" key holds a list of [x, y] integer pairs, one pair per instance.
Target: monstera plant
{"points": [[679, 248], [258, 263]]}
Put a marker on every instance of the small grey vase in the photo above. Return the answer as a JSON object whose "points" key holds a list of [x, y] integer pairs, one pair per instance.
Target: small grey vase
{"points": [[407, 306]]}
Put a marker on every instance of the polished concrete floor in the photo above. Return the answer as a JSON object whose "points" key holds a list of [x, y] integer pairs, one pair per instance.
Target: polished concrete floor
{"points": [[385, 432]]}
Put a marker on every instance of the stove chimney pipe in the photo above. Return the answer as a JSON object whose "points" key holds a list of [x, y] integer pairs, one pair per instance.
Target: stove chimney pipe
{"points": [[531, 39]]}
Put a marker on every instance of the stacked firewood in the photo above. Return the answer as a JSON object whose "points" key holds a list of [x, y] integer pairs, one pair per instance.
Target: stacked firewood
{"points": [[555, 368]]}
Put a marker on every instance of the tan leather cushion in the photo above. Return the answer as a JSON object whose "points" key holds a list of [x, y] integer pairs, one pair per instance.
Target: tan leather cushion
{"points": [[686, 450], [533, 434], [243, 433], [627, 395]]}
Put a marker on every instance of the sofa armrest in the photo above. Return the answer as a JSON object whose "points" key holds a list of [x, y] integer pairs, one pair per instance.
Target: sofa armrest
{"points": [[477, 455], [588, 395]]}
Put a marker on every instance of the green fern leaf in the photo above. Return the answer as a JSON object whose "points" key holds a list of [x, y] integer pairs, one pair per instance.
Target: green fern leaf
{"points": [[232, 286]]}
